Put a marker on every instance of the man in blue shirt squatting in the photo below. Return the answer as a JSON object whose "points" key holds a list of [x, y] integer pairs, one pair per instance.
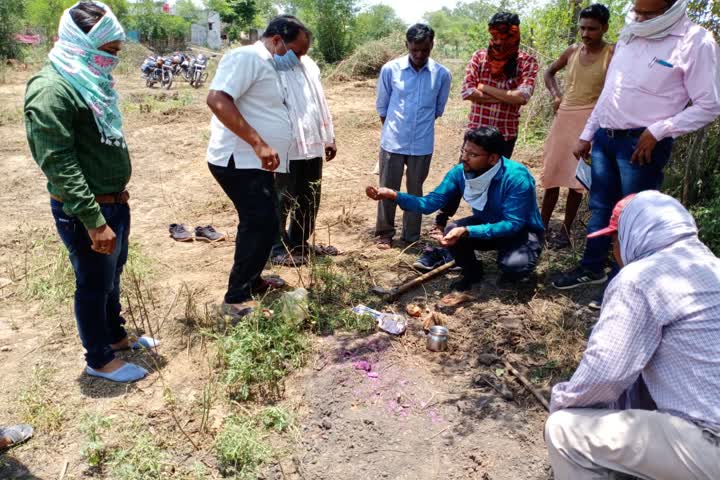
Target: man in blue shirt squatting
{"points": [[412, 93], [505, 215]]}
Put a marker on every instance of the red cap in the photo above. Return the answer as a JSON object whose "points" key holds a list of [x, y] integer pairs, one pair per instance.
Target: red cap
{"points": [[614, 219]]}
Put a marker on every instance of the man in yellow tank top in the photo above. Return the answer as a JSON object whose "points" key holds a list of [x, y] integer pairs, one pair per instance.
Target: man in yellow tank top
{"points": [[586, 65]]}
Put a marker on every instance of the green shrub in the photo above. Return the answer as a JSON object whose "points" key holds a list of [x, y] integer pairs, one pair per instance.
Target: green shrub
{"points": [[258, 352], [240, 448]]}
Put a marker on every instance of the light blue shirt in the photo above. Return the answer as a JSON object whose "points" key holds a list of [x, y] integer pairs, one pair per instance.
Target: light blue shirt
{"points": [[410, 101]]}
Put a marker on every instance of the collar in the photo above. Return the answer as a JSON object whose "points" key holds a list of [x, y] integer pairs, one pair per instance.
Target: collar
{"points": [[262, 51], [500, 172], [405, 64], [682, 27]]}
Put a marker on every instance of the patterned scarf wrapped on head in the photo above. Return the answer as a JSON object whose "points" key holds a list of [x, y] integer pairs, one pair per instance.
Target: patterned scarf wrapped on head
{"points": [[504, 47], [77, 58]]}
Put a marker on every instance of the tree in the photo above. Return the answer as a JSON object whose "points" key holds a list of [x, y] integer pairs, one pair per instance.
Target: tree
{"points": [[44, 15], [11, 14], [335, 18], [242, 15], [376, 22], [187, 10]]}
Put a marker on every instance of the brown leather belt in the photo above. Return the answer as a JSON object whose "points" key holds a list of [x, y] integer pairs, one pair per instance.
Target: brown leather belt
{"points": [[121, 197]]}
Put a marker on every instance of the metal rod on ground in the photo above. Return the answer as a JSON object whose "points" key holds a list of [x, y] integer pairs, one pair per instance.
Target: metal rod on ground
{"points": [[526, 383]]}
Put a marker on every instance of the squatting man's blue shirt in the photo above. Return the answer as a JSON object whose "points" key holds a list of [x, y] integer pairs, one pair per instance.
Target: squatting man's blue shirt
{"points": [[410, 101], [511, 206]]}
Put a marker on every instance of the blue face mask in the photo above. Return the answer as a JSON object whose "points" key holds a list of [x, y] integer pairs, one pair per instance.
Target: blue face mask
{"points": [[286, 62]]}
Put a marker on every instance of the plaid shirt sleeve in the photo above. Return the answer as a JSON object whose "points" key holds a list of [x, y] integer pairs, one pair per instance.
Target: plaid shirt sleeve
{"points": [[622, 343], [528, 73], [472, 75], [49, 119]]}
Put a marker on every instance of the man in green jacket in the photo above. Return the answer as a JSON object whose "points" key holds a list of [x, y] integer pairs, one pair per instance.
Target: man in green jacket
{"points": [[74, 129]]}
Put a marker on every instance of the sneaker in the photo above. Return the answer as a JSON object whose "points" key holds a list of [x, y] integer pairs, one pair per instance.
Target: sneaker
{"points": [[179, 233], [429, 260], [208, 234], [578, 277], [464, 283], [447, 257], [595, 304]]}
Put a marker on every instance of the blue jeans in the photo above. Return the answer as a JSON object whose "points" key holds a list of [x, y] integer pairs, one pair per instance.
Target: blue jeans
{"points": [[97, 280], [615, 176]]}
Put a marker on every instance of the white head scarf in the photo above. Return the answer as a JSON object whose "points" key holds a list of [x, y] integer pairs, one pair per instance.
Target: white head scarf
{"points": [[651, 222], [656, 28]]}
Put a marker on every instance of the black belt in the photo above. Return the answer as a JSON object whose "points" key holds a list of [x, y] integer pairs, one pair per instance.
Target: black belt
{"points": [[630, 132]]}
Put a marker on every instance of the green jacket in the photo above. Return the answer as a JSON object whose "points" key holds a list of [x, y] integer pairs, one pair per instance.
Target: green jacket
{"points": [[65, 143]]}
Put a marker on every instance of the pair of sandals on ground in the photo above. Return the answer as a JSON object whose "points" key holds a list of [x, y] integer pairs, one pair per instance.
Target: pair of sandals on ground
{"points": [[180, 233]]}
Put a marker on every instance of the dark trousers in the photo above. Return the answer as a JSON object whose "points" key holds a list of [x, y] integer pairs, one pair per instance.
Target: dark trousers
{"points": [[517, 256], [253, 194], [451, 207], [97, 280], [615, 176], [298, 193], [392, 168]]}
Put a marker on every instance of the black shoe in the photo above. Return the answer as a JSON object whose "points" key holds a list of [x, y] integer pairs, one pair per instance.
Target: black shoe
{"points": [[429, 260], [578, 277], [464, 283]]}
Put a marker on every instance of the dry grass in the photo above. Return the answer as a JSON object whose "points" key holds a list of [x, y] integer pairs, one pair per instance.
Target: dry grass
{"points": [[369, 58]]}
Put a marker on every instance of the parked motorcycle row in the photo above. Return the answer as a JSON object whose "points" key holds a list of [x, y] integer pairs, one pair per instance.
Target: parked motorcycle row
{"points": [[164, 70]]}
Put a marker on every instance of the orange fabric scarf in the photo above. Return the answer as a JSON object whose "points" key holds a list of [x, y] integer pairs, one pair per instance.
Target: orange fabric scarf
{"points": [[504, 46]]}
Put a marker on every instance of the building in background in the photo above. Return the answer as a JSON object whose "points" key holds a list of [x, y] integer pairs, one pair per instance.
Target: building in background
{"points": [[207, 32]]}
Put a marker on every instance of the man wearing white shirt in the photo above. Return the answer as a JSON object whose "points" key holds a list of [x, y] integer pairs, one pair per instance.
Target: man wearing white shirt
{"points": [[249, 140], [663, 82], [313, 138]]}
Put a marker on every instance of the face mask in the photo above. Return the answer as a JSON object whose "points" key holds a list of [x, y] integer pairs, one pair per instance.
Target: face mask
{"points": [[286, 62]]}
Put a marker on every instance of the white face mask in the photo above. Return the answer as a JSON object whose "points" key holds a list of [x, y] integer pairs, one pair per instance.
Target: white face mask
{"points": [[476, 189]]}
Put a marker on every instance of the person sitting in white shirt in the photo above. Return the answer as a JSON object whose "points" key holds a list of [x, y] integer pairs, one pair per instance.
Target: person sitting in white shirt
{"points": [[645, 399]]}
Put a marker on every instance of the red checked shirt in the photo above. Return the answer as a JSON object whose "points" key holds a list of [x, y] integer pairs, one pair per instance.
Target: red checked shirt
{"points": [[503, 116]]}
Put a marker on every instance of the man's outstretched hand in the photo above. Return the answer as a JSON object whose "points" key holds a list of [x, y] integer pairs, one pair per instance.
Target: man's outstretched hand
{"points": [[381, 193], [453, 236]]}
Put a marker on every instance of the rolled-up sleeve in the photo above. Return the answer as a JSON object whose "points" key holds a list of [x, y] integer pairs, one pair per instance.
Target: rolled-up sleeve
{"points": [[472, 77], [528, 71], [49, 119], [384, 91]]}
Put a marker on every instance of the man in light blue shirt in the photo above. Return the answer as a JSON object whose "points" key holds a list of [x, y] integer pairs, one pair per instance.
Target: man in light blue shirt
{"points": [[412, 93]]}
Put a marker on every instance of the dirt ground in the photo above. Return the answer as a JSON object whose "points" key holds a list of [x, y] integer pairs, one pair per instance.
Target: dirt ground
{"points": [[419, 416]]}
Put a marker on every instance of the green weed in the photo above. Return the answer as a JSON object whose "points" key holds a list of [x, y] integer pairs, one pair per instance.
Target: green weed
{"points": [[334, 292], [241, 448], [275, 418], [39, 403], [258, 352], [142, 460], [92, 426]]}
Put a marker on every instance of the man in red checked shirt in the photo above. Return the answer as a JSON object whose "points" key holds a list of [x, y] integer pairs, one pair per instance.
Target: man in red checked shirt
{"points": [[498, 81]]}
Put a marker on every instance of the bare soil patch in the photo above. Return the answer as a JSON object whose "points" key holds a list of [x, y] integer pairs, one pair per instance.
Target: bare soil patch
{"points": [[422, 416]]}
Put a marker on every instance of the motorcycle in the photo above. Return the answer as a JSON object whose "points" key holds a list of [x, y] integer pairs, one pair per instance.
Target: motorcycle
{"points": [[198, 71], [167, 74]]}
